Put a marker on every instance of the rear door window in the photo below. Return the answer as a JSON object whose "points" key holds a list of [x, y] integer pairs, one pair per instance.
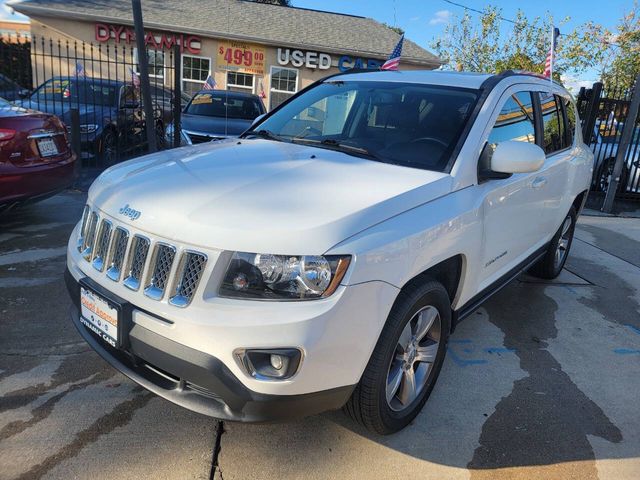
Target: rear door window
{"points": [[570, 114], [553, 138]]}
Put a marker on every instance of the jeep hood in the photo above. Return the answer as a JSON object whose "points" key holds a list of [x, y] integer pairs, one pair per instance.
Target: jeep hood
{"points": [[261, 196]]}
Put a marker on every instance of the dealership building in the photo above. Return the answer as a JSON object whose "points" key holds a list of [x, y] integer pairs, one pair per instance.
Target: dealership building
{"points": [[266, 49]]}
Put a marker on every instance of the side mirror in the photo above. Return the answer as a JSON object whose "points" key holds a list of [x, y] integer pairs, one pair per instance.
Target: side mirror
{"points": [[517, 157], [257, 119]]}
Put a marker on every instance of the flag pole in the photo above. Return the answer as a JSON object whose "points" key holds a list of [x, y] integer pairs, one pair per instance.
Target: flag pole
{"points": [[553, 53]]}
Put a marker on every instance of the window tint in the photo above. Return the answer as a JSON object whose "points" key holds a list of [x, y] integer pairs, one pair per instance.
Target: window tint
{"points": [[570, 112], [400, 123], [222, 105], [515, 121], [553, 124]]}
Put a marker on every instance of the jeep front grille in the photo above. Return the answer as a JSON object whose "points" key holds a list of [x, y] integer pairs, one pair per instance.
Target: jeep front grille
{"points": [[160, 269], [137, 259], [116, 260], [89, 236], [102, 245], [189, 273], [132, 259]]}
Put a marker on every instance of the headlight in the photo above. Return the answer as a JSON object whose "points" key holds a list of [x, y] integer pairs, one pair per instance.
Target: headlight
{"points": [[283, 277], [88, 128]]}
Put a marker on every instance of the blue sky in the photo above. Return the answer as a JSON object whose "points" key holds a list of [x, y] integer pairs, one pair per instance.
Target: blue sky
{"points": [[424, 20]]}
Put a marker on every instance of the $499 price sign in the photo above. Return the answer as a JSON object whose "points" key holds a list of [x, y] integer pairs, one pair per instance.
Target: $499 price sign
{"points": [[241, 57]]}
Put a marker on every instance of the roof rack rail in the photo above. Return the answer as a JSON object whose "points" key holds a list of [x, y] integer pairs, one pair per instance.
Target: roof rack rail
{"points": [[512, 72]]}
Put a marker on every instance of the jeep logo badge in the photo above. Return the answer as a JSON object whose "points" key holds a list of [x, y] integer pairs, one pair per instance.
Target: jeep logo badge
{"points": [[129, 212]]}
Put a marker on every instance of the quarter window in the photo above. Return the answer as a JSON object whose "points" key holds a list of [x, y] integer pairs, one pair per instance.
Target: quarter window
{"points": [[284, 83], [570, 112], [515, 121], [239, 82], [553, 124], [195, 71]]}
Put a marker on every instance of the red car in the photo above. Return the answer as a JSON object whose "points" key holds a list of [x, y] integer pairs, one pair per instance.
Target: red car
{"points": [[36, 160]]}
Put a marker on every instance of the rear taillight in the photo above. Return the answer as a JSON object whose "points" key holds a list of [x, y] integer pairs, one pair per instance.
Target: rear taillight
{"points": [[6, 134]]}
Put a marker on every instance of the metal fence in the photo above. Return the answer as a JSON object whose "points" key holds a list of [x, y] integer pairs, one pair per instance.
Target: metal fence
{"points": [[95, 91], [604, 112]]}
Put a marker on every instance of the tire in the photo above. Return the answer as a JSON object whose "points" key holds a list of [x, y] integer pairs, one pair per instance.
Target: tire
{"points": [[108, 152], [604, 173], [552, 263], [415, 307], [160, 137]]}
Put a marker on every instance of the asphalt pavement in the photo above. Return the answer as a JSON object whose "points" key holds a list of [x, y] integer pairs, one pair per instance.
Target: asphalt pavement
{"points": [[541, 382]]}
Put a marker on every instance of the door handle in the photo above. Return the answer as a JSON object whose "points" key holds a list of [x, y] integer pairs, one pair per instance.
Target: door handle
{"points": [[539, 182]]}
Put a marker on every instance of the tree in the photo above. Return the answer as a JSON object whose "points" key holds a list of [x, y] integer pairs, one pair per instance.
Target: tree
{"points": [[486, 46], [621, 63], [398, 30]]}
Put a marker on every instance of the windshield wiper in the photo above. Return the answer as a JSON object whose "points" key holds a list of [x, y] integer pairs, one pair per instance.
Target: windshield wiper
{"points": [[268, 134], [336, 145]]}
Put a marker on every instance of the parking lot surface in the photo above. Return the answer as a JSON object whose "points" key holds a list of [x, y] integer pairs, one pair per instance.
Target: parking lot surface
{"points": [[541, 382]]}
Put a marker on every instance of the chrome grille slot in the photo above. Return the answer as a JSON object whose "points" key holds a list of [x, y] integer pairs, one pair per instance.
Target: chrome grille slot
{"points": [[161, 263], [137, 258], [118, 251], [103, 240], [188, 277], [83, 227], [90, 236]]}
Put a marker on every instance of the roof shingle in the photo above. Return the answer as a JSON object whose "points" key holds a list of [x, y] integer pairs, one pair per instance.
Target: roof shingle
{"points": [[245, 20]]}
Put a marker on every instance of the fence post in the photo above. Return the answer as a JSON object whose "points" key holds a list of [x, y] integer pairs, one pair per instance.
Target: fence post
{"points": [[592, 113], [144, 76], [75, 136], [177, 90], [623, 146]]}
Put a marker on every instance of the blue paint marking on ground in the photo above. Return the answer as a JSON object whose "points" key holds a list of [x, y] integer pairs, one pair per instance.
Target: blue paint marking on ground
{"points": [[626, 351], [499, 350], [462, 340], [463, 362], [634, 329]]}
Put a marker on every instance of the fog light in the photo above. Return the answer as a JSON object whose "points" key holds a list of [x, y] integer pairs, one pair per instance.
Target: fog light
{"points": [[276, 362], [272, 364]]}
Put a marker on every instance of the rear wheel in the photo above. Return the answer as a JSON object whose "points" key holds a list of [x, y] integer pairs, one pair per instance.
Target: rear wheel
{"points": [[108, 148], [406, 361], [552, 263], [605, 172]]}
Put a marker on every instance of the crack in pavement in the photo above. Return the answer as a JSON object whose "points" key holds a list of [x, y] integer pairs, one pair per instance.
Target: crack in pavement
{"points": [[546, 419], [120, 416]]}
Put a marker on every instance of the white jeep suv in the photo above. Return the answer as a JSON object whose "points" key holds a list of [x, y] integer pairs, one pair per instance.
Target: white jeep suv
{"points": [[322, 259]]}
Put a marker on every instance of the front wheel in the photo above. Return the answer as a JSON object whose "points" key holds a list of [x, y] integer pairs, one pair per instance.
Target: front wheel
{"points": [[552, 263], [406, 361]]}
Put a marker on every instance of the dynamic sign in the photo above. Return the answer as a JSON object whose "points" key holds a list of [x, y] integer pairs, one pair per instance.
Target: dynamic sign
{"points": [[323, 61], [241, 57], [159, 41]]}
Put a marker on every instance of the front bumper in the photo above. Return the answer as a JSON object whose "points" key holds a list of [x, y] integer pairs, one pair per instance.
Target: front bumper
{"points": [[196, 380]]}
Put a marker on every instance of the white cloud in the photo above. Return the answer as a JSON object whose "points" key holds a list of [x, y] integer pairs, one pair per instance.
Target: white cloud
{"points": [[573, 84], [414, 19], [441, 16], [7, 13]]}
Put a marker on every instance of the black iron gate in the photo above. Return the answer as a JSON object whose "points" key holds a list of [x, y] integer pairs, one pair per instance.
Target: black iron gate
{"points": [[95, 91], [604, 112]]}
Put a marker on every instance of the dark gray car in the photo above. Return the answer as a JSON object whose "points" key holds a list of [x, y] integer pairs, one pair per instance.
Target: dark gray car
{"points": [[216, 114]]}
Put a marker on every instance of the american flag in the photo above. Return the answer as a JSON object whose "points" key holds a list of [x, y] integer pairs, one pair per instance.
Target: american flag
{"points": [[209, 83], [548, 64], [262, 94], [80, 70], [393, 61], [135, 79]]}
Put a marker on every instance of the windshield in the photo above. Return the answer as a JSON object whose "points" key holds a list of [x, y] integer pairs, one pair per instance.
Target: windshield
{"points": [[77, 91], [405, 124], [220, 104]]}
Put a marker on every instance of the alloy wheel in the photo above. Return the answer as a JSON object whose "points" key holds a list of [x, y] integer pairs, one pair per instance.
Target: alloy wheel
{"points": [[413, 360], [563, 242]]}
